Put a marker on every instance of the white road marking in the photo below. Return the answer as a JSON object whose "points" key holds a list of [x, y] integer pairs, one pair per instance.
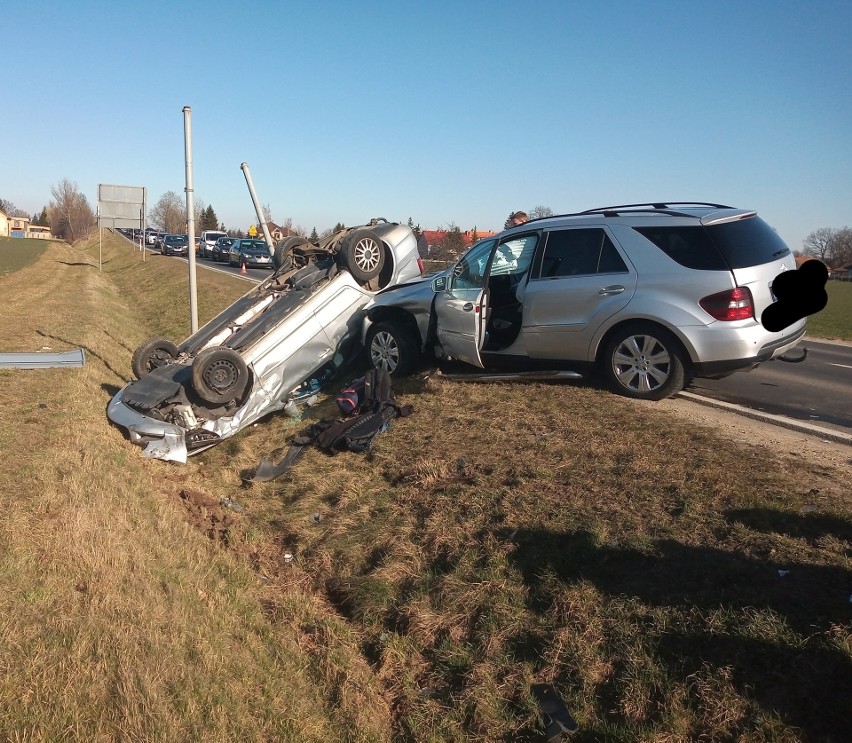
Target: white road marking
{"points": [[845, 366]]}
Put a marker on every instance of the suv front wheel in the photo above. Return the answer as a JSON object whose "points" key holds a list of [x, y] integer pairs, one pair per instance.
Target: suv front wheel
{"points": [[393, 348], [645, 362]]}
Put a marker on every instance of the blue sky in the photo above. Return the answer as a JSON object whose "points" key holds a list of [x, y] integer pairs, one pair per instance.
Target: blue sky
{"points": [[445, 112]]}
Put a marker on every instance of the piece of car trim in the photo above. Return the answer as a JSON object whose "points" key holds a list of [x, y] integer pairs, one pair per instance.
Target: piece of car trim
{"points": [[532, 376], [41, 360]]}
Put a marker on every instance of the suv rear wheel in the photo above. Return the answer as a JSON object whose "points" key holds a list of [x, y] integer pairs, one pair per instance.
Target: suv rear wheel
{"points": [[645, 362]]}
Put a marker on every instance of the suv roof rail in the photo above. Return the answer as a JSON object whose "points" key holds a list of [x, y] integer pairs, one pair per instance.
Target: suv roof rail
{"points": [[655, 206]]}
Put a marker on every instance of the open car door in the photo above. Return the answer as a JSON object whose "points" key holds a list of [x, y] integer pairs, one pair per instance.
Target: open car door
{"points": [[462, 308]]}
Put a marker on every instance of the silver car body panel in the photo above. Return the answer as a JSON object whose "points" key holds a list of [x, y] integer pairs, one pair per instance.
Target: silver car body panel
{"points": [[279, 359]]}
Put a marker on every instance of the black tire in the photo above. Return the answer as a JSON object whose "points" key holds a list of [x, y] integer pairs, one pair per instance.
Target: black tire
{"points": [[219, 375], [645, 362], [393, 347], [152, 354], [283, 255], [362, 254]]}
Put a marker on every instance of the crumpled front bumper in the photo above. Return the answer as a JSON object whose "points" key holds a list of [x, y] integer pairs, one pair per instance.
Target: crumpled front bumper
{"points": [[160, 440]]}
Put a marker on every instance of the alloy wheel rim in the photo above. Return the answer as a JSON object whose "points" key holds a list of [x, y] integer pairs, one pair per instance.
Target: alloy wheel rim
{"points": [[367, 254], [641, 363], [384, 351]]}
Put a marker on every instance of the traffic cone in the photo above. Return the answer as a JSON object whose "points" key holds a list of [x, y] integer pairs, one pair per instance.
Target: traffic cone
{"points": [[243, 269]]}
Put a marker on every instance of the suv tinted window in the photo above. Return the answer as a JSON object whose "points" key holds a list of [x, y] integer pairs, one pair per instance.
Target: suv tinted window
{"points": [[690, 246], [739, 244], [580, 252], [748, 242]]}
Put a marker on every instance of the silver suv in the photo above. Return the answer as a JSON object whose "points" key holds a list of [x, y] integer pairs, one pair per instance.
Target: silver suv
{"points": [[649, 295]]}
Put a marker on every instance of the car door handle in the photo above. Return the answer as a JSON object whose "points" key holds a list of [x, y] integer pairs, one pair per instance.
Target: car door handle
{"points": [[467, 306], [615, 289]]}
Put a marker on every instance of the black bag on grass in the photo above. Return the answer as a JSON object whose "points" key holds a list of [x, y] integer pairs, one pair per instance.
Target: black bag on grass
{"points": [[374, 409]]}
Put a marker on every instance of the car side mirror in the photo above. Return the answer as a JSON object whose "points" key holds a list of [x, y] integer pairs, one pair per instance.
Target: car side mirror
{"points": [[439, 284]]}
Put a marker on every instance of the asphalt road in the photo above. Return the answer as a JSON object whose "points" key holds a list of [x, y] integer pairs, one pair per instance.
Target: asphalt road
{"points": [[818, 390]]}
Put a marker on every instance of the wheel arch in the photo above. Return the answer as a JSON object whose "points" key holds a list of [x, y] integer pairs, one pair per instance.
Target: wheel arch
{"points": [[395, 315], [602, 341]]}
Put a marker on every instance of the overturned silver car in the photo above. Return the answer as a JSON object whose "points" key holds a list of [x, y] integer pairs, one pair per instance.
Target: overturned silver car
{"points": [[256, 356]]}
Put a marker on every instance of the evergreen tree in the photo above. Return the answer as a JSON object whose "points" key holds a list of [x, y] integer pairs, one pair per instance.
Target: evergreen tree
{"points": [[314, 236]]}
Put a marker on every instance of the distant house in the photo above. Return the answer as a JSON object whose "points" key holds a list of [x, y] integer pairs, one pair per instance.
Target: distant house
{"points": [[18, 226], [36, 230], [435, 238], [278, 233], [4, 224]]}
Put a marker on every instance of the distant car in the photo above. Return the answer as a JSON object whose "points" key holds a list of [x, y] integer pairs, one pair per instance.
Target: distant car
{"points": [[251, 253], [648, 295], [175, 245], [220, 249], [248, 361], [206, 242], [151, 237]]}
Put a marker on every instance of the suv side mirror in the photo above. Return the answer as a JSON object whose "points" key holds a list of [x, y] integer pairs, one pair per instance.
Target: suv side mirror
{"points": [[439, 284]]}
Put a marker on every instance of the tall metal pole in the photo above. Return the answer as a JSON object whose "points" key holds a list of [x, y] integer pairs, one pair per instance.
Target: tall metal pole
{"points": [[144, 223], [257, 209], [190, 217]]}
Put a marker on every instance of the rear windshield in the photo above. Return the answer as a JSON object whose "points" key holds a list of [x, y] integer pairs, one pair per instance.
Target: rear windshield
{"points": [[740, 244], [748, 242]]}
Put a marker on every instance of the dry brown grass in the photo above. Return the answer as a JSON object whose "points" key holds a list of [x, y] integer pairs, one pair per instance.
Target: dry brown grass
{"points": [[499, 537], [119, 620]]}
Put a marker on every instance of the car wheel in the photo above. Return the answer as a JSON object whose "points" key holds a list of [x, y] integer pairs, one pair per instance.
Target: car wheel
{"points": [[393, 348], [152, 354], [645, 362], [219, 374], [282, 258], [363, 255]]}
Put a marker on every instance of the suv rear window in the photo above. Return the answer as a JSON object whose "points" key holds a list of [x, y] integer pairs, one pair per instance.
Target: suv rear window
{"points": [[740, 244], [748, 242]]}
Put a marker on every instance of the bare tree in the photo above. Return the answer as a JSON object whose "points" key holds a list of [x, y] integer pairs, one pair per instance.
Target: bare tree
{"points": [[169, 213], [70, 215], [818, 243], [841, 248], [541, 211], [831, 245], [11, 209]]}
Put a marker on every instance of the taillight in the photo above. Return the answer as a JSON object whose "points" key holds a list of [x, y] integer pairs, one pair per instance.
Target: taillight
{"points": [[732, 304], [420, 265]]}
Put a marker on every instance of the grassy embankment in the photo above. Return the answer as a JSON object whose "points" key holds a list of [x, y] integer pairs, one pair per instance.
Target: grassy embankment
{"points": [[835, 321], [499, 537]]}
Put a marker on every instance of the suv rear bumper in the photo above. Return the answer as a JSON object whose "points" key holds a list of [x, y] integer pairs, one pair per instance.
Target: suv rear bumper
{"points": [[717, 369]]}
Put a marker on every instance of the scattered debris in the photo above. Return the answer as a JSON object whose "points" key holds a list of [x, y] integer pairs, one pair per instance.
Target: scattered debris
{"points": [[375, 408], [782, 573], [233, 506], [555, 716], [315, 518]]}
